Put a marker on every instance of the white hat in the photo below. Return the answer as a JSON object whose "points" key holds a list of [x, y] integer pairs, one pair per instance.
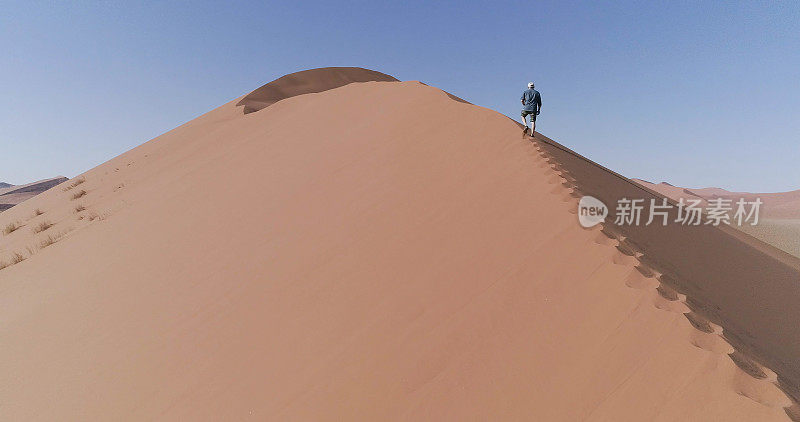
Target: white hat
{"points": [[530, 84]]}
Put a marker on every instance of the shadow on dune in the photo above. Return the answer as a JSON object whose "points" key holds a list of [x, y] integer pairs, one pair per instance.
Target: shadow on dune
{"points": [[308, 82], [734, 280]]}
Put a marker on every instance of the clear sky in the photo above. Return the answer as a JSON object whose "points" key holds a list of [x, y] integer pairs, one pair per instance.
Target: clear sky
{"points": [[695, 93]]}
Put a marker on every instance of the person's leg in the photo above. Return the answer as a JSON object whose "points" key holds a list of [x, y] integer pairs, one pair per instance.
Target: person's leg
{"points": [[524, 123], [533, 124]]}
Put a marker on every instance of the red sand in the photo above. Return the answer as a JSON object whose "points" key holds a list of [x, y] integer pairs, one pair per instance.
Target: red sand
{"points": [[404, 260]]}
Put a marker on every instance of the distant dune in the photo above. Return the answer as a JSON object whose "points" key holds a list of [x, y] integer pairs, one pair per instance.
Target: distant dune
{"points": [[779, 205], [779, 223], [11, 195], [377, 251]]}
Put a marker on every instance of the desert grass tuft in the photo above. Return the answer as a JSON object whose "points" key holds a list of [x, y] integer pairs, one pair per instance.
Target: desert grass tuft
{"points": [[3, 265], [37, 212], [78, 194], [17, 258], [11, 228], [49, 240], [74, 183], [44, 225], [79, 208]]}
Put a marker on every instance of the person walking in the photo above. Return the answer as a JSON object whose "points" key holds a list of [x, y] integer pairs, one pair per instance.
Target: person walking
{"points": [[531, 106]]}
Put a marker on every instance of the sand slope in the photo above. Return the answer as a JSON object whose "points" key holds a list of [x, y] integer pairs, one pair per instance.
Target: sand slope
{"points": [[416, 260]]}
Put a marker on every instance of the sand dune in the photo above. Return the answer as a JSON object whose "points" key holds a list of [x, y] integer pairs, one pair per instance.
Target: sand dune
{"points": [[11, 195], [777, 205], [415, 260], [779, 223]]}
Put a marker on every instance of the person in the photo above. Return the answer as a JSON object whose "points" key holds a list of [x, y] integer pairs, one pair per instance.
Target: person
{"points": [[531, 106]]}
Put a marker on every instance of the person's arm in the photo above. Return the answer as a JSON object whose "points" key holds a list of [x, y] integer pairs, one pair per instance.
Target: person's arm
{"points": [[538, 104], [522, 100]]}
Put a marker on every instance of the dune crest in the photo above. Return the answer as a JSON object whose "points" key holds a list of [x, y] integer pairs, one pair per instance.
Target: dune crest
{"points": [[307, 82]]}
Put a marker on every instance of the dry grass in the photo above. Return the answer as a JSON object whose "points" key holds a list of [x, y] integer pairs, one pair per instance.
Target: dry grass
{"points": [[94, 216], [16, 258], [11, 228], [78, 194], [49, 240], [74, 183], [37, 212], [44, 225], [79, 208]]}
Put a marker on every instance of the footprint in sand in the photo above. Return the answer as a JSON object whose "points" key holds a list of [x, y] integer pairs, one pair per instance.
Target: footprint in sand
{"points": [[761, 390], [641, 278], [555, 179], [625, 255], [707, 335], [668, 299], [793, 412], [604, 239]]}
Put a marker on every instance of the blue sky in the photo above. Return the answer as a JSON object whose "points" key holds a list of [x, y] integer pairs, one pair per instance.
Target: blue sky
{"points": [[694, 93]]}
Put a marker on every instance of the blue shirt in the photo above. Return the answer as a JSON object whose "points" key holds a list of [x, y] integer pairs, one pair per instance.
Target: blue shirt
{"points": [[532, 100]]}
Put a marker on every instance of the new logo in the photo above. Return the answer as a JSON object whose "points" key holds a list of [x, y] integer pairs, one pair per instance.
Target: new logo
{"points": [[591, 211]]}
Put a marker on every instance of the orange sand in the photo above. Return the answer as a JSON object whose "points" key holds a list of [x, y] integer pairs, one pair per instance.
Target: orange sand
{"points": [[403, 260]]}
